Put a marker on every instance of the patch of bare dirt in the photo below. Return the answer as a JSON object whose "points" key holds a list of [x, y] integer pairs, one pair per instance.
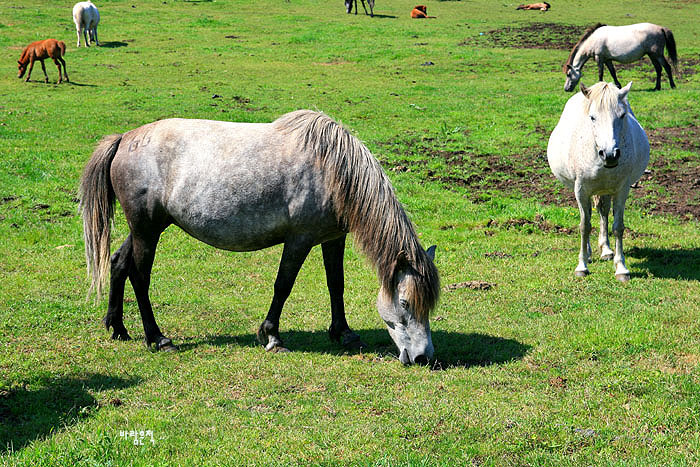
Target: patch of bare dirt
{"points": [[670, 187], [473, 285], [532, 36]]}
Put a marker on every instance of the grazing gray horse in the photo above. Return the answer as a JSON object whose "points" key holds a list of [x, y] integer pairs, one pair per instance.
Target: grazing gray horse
{"points": [[348, 6], [624, 44], [599, 149], [301, 180]]}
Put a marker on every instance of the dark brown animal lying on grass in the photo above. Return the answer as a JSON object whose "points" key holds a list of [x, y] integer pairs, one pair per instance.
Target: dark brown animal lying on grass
{"points": [[544, 6], [41, 50], [420, 11]]}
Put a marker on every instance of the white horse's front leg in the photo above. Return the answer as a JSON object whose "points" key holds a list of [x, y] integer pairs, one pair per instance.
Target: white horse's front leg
{"points": [[584, 256], [621, 272], [602, 205]]}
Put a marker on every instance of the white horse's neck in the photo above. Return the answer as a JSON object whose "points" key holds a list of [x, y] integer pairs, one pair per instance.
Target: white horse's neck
{"points": [[583, 53]]}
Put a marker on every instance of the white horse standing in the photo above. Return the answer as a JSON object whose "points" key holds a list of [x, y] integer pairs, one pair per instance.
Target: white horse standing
{"points": [[86, 18], [599, 149]]}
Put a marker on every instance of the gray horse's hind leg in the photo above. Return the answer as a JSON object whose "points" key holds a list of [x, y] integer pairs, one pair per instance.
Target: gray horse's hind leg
{"points": [[611, 69], [667, 67], [121, 261], [339, 331], [293, 257], [143, 253], [657, 67]]}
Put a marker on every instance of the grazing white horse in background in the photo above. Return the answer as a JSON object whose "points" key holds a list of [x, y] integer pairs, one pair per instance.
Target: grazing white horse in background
{"points": [[86, 18], [599, 149], [624, 44]]}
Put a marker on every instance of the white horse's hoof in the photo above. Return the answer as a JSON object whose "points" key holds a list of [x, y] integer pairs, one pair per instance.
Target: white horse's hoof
{"points": [[622, 277], [583, 273]]}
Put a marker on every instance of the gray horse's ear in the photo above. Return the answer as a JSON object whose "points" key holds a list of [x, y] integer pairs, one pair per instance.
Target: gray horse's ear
{"points": [[586, 91], [625, 90], [431, 252]]}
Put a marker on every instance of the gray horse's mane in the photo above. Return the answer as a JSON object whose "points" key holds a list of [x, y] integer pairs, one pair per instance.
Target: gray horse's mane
{"points": [[366, 205], [602, 93], [585, 36]]}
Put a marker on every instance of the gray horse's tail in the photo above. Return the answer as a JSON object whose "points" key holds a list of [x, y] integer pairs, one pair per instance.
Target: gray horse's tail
{"points": [[97, 208], [671, 47]]}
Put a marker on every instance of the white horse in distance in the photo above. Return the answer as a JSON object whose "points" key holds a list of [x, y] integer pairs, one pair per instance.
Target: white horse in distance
{"points": [[624, 44], [599, 149], [86, 18]]}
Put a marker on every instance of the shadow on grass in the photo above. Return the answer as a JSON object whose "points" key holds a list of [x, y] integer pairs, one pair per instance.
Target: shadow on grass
{"points": [[452, 349], [57, 402], [113, 44], [668, 263]]}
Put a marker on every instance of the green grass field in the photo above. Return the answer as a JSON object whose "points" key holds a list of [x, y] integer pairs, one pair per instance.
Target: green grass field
{"points": [[539, 369]]}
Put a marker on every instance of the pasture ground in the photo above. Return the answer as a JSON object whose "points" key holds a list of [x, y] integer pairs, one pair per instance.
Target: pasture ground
{"points": [[533, 367]]}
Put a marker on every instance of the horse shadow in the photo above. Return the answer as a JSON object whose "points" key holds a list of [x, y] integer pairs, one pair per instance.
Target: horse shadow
{"points": [[384, 16], [452, 349], [679, 263], [30, 414], [113, 44]]}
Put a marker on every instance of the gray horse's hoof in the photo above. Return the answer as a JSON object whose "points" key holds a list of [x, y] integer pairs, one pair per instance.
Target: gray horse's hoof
{"points": [[622, 277], [121, 336], [351, 341], [581, 273], [274, 347], [165, 345]]}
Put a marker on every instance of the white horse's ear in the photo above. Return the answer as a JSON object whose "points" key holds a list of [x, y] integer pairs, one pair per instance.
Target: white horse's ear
{"points": [[431, 252], [625, 90], [586, 91]]}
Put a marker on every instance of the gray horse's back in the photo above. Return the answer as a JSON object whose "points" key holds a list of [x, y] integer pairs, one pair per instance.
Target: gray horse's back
{"points": [[236, 186]]}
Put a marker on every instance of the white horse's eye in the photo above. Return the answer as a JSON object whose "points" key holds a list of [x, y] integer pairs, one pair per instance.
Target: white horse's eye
{"points": [[593, 118], [623, 115]]}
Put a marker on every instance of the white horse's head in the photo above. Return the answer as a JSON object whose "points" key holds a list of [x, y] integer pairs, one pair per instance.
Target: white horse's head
{"points": [[408, 328], [606, 107], [573, 75]]}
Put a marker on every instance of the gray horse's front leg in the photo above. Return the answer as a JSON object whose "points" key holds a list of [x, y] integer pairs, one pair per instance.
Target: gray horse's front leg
{"points": [[602, 205], [584, 256], [293, 256], [339, 331], [621, 272]]}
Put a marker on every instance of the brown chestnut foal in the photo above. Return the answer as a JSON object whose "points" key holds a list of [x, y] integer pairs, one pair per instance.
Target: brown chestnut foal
{"points": [[41, 50]]}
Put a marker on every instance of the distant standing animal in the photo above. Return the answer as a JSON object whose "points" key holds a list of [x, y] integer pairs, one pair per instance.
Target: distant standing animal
{"points": [[624, 44], [86, 18], [544, 6], [300, 180], [599, 149], [420, 11], [348, 6], [41, 50]]}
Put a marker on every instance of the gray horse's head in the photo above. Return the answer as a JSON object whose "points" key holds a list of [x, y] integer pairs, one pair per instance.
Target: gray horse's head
{"points": [[573, 75], [606, 107], [400, 309]]}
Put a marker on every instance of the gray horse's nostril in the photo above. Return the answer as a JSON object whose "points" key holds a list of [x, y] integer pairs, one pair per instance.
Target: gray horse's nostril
{"points": [[601, 153], [421, 360]]}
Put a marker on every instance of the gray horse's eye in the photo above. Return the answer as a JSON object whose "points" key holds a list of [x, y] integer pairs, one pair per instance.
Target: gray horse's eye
{"points": [[404, 304]]}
